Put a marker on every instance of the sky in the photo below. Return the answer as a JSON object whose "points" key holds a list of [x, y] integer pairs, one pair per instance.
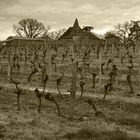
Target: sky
{"points": [[103, 15]]}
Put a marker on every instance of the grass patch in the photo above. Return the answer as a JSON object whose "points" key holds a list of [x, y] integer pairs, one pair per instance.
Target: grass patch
{"points": [[76, 114], [89, 134], [135, 123]]}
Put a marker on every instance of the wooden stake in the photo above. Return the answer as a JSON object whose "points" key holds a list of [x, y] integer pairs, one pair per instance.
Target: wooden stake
{"points": [[138, 47], [112, 54], [9, 63], [100, 72], [48, 46]]}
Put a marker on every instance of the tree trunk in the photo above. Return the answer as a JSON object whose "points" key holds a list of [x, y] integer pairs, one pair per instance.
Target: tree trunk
{"points": [[39, 107], [58, 88], [58, 108], [93, 80], [18, 96], [82, 91]]}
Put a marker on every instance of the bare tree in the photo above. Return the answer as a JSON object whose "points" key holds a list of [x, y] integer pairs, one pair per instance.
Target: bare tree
{"points": [[30, 28], [56, 34], [122, 30]]}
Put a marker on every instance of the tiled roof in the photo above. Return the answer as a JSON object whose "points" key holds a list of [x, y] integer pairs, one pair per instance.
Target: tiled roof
{"points": [[25, 38], [66, 35], [111, 36], [92, 35], [76, 23], [77, 31]]}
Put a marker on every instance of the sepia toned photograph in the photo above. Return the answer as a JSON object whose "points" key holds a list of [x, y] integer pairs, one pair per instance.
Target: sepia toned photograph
{"points": [[69, 69]]}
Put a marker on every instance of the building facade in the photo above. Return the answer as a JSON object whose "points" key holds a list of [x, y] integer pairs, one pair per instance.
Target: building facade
{"points": [[77, 34]]}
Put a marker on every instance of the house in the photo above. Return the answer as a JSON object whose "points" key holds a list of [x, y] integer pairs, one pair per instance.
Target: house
{"points": [[112, 43], [112, 39], [77, 34], [22, 42]]}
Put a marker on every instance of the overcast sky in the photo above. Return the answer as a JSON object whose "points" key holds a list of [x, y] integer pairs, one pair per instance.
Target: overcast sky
{"points": [[101, 14]]}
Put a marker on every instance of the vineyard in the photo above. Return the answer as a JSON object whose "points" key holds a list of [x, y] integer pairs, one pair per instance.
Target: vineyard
{"points": [[54, 88], [55, 58]]}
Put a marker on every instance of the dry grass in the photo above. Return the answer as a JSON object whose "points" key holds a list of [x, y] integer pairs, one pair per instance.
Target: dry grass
{"points": [[76, 122], [91, 134]]}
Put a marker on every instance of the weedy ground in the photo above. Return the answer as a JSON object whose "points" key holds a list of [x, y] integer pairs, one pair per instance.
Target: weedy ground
{"points": [[77, 120]]}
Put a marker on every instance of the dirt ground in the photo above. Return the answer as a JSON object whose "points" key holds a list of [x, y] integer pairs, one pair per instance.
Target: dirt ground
{"points": [[77, 119]]}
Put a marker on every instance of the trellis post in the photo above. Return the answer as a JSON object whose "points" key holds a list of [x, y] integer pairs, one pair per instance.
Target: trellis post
{"points": [[74, 76], [48, 46], [138, 47], [100, 72], [9, 62]]}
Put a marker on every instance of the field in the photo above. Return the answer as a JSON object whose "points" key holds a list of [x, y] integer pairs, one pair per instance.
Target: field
{"points": [[117, 117], [77, 119]]}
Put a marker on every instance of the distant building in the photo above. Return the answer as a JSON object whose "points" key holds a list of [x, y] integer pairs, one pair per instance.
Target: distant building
{"points": [[75, 33], [112, 39], [112, 42], [22, 42]]}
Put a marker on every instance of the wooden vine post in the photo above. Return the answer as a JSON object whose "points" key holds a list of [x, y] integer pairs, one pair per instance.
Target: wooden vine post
{"points": [[48, 46], [25, 54], [50, 62], [9, 62], [138, 47], [74, 77], [105, 49], [100, 69], [0, 57], [121, 55], [73, 80], [112, 52]]}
